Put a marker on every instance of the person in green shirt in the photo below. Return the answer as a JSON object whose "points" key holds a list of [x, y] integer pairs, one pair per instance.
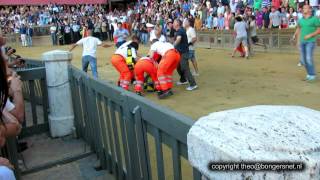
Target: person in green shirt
{"points": [[307, 25]]}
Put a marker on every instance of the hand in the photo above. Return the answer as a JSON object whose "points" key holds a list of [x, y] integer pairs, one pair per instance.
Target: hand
{"points": [[6, 162]]}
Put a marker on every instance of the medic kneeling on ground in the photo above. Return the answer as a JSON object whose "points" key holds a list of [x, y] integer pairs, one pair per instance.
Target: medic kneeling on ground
{"points": [[169, 62], [124, 61], [150, 67]]}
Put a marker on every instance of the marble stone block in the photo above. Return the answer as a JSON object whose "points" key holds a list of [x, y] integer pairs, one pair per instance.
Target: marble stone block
{"points": [[261, 133], [61, 116]]}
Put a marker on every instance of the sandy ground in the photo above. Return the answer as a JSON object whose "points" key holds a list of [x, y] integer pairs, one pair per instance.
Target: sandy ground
{"points": [[224, 83]]}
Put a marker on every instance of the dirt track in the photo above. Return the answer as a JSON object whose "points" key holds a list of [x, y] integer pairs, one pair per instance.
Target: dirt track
{"points": [[225, 83]]}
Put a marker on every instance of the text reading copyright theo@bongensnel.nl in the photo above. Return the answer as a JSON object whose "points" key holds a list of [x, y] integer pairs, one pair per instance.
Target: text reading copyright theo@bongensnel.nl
{"points": [[256, 166]]}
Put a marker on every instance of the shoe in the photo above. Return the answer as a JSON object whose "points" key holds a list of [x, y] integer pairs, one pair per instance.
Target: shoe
{"points": [[311, 78], [182, 83], [139, 93], [191, 88], [195, 74], [165, 94], [159, 93], [299, 64]]}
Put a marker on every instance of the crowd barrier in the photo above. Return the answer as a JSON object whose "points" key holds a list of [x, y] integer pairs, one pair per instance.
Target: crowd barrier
{"points": [[132, 136], [35, 93]]}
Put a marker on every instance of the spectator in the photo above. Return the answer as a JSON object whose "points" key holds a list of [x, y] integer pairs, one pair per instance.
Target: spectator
{"points": [[284, 18], [266, 18], [259, 18], [5, 166], [276, 4], [317, 14], [75, 27], [23, 34], [292, 18], [220, 9], [209, 22], [110, 31], [227, 18], [275, 19], [233, 6], [120, 34], [89, 56], [232, 21], [104, 29], [266, 4], [197, 23], [181, 44], [29, 35], [215, 22], [97, 29], [240, 29], [170, 31], [221, 22], [144, 33], [53, 32], [192, 38], [307, 25]]}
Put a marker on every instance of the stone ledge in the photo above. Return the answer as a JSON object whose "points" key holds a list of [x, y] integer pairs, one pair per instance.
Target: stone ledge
{"points": [[257, 133]]}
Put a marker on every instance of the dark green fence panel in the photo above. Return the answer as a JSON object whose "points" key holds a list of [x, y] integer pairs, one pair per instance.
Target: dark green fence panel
{"points": [[35, 92], [117, 124]]}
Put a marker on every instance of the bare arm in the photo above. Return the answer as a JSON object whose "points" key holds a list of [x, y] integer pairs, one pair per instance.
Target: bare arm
{"points": [[194, 39], [11, 126], [72, 47], [105, 45], [296, 33], [18, 111], [177, 41], [15, 91]]}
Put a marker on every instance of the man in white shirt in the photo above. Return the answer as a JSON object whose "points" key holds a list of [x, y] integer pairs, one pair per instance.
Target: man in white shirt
{"points": [[192, 38], [89, 56]]}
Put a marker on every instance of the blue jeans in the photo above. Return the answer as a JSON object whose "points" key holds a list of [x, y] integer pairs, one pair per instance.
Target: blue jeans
{"points": [[306, 56], [93, 64], [29, 40], [54, 39], [144, 38]]}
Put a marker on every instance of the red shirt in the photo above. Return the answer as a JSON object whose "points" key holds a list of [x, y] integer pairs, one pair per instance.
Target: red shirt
{"points": [[276, 4]]}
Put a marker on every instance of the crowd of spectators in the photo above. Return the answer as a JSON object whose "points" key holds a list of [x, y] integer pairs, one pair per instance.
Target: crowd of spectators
{"points": [[69, 23], [11, 105]]}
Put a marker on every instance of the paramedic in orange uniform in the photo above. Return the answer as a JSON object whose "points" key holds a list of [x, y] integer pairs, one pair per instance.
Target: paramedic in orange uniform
{"points": [[169, 62], [149, 66], [120, 61]]}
